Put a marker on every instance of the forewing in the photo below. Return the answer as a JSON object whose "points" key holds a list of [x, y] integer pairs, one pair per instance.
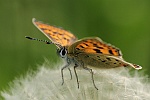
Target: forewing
{"points": [[95, 45], [56, 35]]}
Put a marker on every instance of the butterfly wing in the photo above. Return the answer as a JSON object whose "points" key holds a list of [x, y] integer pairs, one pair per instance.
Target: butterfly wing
{"points": [[94, 45], [56, 35], [94, 52], [99, 60], [103, 61]]}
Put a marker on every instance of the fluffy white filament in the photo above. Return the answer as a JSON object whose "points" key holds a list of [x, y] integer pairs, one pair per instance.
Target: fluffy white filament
{"points": [[45, 84]]}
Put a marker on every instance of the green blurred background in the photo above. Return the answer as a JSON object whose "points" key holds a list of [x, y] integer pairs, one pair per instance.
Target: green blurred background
{"points": [[123, 23]]}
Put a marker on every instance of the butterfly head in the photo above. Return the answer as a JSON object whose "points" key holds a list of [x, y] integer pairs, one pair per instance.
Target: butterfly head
{"points": [[62, 52]]}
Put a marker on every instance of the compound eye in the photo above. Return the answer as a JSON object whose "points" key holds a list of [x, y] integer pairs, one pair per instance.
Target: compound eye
{"points": [[63, 52]]}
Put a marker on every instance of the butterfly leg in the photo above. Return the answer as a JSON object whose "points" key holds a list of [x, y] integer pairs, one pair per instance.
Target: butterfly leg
{"points": [[70, 74], [76, 74], [62, 74], [90, 70]]}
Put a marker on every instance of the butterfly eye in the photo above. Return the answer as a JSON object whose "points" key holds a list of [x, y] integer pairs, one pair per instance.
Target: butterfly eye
{"points": [[62, 52]]}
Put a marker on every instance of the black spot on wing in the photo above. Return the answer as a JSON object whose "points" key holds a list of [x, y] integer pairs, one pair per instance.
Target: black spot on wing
{"points": [[85, 44], [77, 49], [55, 32], [66, 39], [110, 51], [81, 46], [44, 29], [103, 60], [97, 50], [117, 60], [98, 56], [95, 45], [108, 59]]}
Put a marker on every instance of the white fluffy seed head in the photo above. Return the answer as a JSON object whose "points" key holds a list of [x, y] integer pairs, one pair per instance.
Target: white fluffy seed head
{"points": [[45, 84]]}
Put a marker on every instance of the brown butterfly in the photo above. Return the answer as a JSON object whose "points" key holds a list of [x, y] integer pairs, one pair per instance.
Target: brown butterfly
{"points": [[87, 53]]}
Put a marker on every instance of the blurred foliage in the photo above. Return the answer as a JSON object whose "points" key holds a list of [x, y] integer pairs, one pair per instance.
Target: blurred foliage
{"points": [[123, 23]]}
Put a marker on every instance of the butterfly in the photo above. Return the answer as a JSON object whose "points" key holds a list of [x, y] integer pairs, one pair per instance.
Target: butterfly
{"points": [[88, 53]]}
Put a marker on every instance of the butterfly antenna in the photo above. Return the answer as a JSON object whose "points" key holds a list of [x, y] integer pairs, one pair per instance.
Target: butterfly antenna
{"points": [[30, 38], [47, 42]]}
